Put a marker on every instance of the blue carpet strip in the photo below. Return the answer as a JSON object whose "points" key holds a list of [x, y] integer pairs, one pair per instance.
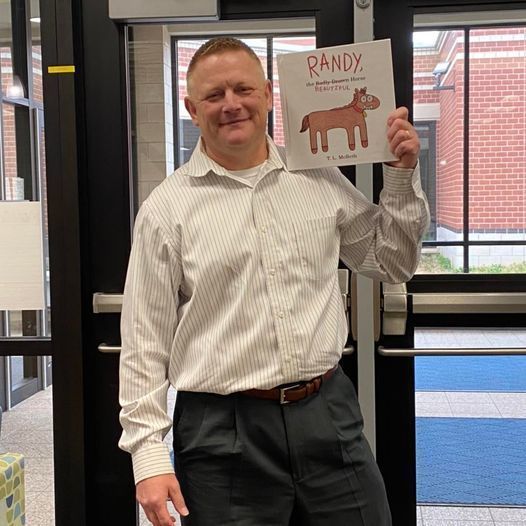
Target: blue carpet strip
{"points": [[471, 461], [471, 373]]}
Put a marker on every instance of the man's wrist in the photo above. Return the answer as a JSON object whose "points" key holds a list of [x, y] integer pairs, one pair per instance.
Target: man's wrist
{"points": [[151, 460], [399, 180]]}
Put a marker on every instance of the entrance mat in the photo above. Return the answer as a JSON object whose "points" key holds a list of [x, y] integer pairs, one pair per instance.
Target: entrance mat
{"points": [[471, 461], [470, 373]]}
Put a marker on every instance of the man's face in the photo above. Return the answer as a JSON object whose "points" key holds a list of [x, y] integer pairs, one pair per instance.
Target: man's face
{"points": [[229, 99]]}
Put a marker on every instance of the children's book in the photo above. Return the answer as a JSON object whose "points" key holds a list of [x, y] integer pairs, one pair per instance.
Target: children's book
{"points": [[335, 102]]}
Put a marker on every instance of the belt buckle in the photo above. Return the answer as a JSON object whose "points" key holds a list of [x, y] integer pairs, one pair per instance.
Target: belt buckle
{"points": [[283, 390]]}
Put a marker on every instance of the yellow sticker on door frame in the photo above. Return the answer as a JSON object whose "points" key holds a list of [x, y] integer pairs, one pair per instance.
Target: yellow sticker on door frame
{"points": [[61, 69]]}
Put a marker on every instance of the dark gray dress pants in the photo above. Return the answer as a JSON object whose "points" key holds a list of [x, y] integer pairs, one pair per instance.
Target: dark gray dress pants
{"points": [[250, 462]]}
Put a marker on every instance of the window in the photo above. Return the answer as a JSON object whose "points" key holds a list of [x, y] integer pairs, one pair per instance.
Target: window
{"points": [[163, 136], [469, 109]]}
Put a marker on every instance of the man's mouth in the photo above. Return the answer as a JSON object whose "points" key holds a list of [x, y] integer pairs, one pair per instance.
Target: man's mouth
{"points": [[236, 121]]}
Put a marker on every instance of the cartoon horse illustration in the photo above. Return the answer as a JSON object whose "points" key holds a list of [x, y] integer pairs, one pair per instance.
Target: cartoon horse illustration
{"points": [[348, 117]]}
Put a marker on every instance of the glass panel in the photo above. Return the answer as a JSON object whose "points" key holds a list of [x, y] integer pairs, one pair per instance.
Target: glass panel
{"points": [[497, 259], [14, 185], [23, 180], [440, 260], [6, 45], [497, 178], [279, 46], [497, 181], [27, 432], [23, 371], [36, 50], [13, 65], [154, 149], [438, 98], [187, 133], [465, 407], [46, 314], [483, 259], [152, 99]]}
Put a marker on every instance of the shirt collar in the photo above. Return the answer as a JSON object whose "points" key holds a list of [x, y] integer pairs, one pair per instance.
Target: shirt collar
{"points": [[200, 164]]}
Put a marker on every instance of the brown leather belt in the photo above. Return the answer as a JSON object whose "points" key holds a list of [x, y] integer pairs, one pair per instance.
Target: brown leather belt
{"points": [[293, 392]]}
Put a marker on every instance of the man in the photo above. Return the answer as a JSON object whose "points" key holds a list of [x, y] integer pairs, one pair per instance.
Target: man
{"points": [[231, 293]]}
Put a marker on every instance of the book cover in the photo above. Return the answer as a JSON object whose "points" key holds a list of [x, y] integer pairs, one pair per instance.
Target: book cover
{"points": [[335, 102]]}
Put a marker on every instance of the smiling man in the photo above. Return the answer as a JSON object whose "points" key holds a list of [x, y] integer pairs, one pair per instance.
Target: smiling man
{"points": [[232, 297], [228, 100]]}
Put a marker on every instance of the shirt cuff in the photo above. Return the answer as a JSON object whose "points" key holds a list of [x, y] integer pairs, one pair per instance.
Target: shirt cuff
{"points": [[401, 180], [150, 461]]}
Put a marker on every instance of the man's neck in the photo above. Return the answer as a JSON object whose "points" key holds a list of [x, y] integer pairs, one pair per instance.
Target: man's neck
{"points": [[241, 159]]}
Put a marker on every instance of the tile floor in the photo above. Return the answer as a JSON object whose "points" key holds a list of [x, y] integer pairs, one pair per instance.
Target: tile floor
{"points": [[35, 414], [28, 429]]}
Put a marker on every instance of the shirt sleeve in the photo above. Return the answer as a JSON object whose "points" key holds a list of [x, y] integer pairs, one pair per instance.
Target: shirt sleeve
{"points": [[384, 241], [148, 324]]}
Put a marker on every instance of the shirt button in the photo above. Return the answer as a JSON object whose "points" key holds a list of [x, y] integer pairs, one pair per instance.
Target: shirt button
{"points": [[272, 271], [263, 229], [281, 314], [287, 359]]}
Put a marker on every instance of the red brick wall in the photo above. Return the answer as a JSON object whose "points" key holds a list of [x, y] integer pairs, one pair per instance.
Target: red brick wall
{"points": [[9, 141]]}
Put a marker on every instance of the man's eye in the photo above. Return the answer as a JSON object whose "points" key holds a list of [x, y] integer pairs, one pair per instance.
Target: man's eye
{"points": [[245, 90], [213, 96]]}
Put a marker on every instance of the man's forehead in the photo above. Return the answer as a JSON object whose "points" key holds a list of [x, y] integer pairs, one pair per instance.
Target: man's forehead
{"points": [[230, 55]]}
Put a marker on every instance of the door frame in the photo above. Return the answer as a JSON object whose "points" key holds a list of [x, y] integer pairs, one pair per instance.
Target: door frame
{"points": [[59, 20]]}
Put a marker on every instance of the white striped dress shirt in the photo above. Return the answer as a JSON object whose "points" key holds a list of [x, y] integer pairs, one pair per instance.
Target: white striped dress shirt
{"points": [[233, 285]]}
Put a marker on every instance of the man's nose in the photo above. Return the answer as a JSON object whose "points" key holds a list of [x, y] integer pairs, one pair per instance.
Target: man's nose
{"points": [[232, 101]]}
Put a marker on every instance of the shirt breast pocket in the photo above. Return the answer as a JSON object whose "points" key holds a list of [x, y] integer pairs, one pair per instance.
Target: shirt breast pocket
{"points": [[318, 246]]}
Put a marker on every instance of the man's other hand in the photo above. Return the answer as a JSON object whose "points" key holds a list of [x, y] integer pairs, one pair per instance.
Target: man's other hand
{"points": [[153, 493], [403, 139]]}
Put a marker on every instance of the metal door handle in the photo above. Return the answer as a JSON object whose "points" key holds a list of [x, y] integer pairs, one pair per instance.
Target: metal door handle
{"points": [[104, 302], [395, 305], [473, 303], [451, 351], [109, 349]]}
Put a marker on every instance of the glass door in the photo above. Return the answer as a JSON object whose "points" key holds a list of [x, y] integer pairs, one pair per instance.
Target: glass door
{"points": [[136, 134], [446, 369]]}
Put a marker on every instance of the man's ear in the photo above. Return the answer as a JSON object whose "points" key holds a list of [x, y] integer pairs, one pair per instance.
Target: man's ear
{"points": [[191, 109], [268, 94]]}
